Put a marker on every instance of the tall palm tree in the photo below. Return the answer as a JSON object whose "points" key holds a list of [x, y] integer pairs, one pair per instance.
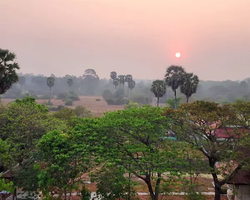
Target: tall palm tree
{"points": [[128, 78], [190, 85], [158, 87], [131, 85], [113, 75], [122, 82], [116, 82], [50, 83], [174, 78]]}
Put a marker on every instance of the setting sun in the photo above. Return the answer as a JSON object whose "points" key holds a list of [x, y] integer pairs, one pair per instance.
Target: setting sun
{"points": [[177, 55]]}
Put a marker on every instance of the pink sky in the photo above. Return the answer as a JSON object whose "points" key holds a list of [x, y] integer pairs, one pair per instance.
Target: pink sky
{"points": [[138, 37]]}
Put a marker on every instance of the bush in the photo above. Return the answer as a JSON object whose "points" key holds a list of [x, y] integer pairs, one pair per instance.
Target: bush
{"points": [[140, 99], [68, 102], [121, 101], [62, 95], [131, 104], [108, 97], [81, 111], [53, 108], [60, 107], [98, 99], [73, 96], [46, 96]]}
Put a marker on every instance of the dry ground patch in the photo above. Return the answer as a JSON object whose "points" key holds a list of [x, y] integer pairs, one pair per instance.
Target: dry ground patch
{"points": [[90, 102]]}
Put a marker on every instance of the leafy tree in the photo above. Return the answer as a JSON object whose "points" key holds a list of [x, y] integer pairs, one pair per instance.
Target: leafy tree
{"points": [[112, 183], [174, 78], [159, 89], [62, 163], [201, 125], [132, 140], [50, 84], [90, 80], [189, 85], [8, 187], [21, 81], [8, 67]]}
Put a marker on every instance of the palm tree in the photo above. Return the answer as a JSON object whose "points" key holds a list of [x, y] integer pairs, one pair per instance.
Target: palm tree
{"points": [[116, 82], [158, 87], [128, 78], [113, 75], [70, 81], [174, 78], [50, 83], [190, 85], [122, 81], [131, 85], [8, 67]]}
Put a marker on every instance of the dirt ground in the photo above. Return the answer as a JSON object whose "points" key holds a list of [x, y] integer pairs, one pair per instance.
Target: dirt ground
{"points": [[96, 107]]}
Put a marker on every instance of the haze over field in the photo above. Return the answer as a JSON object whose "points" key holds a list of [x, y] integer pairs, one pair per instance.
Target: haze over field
{"points": [[129, 36]]}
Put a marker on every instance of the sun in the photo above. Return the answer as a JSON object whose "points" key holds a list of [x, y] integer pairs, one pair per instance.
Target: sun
{"points": [[178, 55]]}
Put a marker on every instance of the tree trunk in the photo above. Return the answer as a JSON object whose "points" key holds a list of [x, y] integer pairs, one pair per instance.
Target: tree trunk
{"points": [[65, 194], [157, 186], [50, 93], [187, 99], [217, 193], [150, 188], [158, 100], [175, 100]]}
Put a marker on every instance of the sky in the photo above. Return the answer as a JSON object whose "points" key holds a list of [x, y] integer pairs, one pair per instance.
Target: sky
{"points": [[138, 37]]}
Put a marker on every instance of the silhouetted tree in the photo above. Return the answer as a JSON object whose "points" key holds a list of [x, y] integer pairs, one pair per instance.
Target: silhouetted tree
{"points": [[70, 81], [131, 85], [174, 78], [122, 81], [8, 67], [90, 80], [128, 78], [50, 83], [189, 85], [159, 89], [113, 75], [116, 82]]}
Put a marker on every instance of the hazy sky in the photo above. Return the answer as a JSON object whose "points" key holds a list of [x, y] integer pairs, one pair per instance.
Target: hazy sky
{"points": [[138, 37]]}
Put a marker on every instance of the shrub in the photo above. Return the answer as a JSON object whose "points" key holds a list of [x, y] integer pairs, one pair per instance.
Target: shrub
{"points": [[53, 108], [140, 99], [72, 95], [68, 102], [81, 111], [60, 107], [131, 104], [108, 97], [98, 99], [46, 96], [62, 95]]}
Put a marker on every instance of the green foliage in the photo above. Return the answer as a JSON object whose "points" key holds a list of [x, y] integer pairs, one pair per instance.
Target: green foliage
{"points": [[112, 183], [189, 85], [130, 139], [31, 101], [68, 95], [140, 99], [62, 163], [131, 104], [9, 187], [81, 111], [171, 103], [8, 67], [68, 102], [108, 97], [159, 89]]}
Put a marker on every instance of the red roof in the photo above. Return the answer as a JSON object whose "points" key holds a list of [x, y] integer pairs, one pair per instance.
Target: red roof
{"points": [[230, 132]]}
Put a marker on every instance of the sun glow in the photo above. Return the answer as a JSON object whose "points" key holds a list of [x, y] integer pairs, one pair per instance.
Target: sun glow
{"points": [[178, 55]]}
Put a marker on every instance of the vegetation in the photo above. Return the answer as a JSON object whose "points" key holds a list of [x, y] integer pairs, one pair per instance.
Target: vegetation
{"points": [[159, 89], [8, 68]]}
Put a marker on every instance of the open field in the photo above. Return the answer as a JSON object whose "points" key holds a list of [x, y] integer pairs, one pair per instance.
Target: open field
{"points": [[96, 107]]}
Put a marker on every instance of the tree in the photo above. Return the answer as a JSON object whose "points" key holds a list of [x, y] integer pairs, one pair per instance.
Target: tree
{"points": [[128, 79], [131, 85], [216, 131], [70, 81], [50, 84], [159, 89], [21, 81], [62, 164], [8, 67], [174, 78], [90, 80], [122, 81], [189, 85], [171, 103], [132, 140], [113, 75], [116, 82]]}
